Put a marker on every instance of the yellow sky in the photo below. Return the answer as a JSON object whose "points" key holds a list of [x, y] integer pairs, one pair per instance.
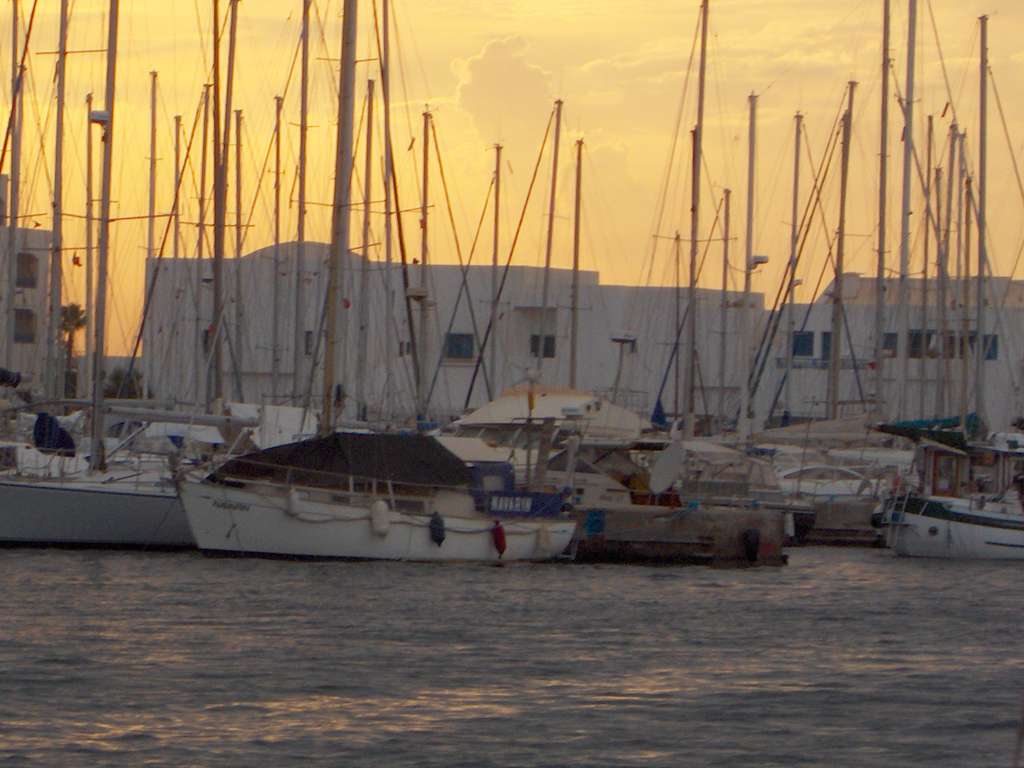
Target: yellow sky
{"points": [[490, 72]]}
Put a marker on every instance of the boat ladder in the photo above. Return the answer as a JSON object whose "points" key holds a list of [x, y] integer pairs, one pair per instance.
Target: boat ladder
{"points": [[895, 508]]}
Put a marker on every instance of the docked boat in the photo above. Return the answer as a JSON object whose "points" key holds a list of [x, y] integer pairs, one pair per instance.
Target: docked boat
{"points": [[52, 497], [969, 503], [373, 496]]}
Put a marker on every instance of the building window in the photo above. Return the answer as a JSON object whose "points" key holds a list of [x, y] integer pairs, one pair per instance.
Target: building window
{"points": [[549, 345], [991, 346], [890, 344], [458, 346], [826, 345], [28, 271], [803, 343], [309, 342], [915, 344], [404, 348], [24, 326]]}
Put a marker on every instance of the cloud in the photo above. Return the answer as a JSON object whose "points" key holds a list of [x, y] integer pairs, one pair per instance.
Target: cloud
{"points": [[508, 98]]}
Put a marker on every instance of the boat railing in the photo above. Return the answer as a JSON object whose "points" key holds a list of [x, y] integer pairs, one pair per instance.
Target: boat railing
{"points": [[270, 474]]}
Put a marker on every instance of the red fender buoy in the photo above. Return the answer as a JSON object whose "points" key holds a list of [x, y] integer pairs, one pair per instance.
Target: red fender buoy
{"points": [[498, 537]]}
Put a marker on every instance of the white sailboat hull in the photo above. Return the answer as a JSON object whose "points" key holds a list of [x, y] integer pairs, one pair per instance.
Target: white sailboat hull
{"points": [[951, 528], [86, 513], [254, 521]]}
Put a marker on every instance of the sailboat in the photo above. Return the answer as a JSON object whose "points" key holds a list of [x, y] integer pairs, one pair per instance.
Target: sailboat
{"points": [[51, 494], [358, 495]]}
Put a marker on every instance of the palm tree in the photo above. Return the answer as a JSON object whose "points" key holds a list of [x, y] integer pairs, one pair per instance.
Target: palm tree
{"points": [[72, 320]]}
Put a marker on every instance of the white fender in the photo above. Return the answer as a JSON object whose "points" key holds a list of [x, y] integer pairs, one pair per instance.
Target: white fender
{"points": [[380, 519]]}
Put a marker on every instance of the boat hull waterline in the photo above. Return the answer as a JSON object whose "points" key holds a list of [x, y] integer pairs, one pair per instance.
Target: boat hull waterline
{"points": [[929, 528], [225, 519]]}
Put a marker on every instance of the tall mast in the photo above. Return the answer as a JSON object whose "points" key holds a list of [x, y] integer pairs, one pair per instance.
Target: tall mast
{"points": [[364, 277], [239, 233], [492, 380], [13, 232], [908, 155], [176, 216], [276, 319], [982, 343], [202, 340], [793, 242], [963, 215], [943, 402], [389, 298], [883, 174], [922, 383], [547, 250], [421, 371], [574, 330], [341, 213], [748, 266], [724, 319], [214, 383], [690, 378], [300, 245], [90, 313], [149, 368], [691, 309], [105, 118], [55, 381], [837, 287]]}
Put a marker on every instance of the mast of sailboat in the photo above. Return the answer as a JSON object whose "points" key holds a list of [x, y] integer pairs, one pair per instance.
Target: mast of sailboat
{"points": [[300, 236], [547, 251], [55, 384], [835, 347], [942, 402], [239, 362], [90, 321], [965, 217], [492, 380], [690, 371], [903, 337], [13, 233], [421, 373], [149, 364], [748, 266], [982, 343], [202, 337], [390, 332], [176, 215], [689, 376], [793, 244], [214, 382], [677, 260], [724, 317], [275, 352], [575, 302], [364, 276], [105, 118], [341, 213], [922, 383], [883, 176]]}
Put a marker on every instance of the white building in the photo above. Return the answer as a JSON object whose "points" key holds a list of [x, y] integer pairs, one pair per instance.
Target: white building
{"points": [[627, 338]]}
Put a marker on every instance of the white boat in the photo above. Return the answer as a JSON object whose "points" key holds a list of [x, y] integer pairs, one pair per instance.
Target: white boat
{"points": [[969, 504], [371, 496], [52, 499]]}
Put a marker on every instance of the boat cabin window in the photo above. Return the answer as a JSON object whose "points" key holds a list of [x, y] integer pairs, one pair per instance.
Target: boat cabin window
{"points": [[946, 474]]}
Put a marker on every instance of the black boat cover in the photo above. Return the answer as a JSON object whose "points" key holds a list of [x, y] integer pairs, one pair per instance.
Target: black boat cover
{"points": [[413, 459]]}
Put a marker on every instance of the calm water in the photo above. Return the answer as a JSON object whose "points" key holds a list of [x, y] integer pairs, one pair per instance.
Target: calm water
{"points": [[843, 658]]}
